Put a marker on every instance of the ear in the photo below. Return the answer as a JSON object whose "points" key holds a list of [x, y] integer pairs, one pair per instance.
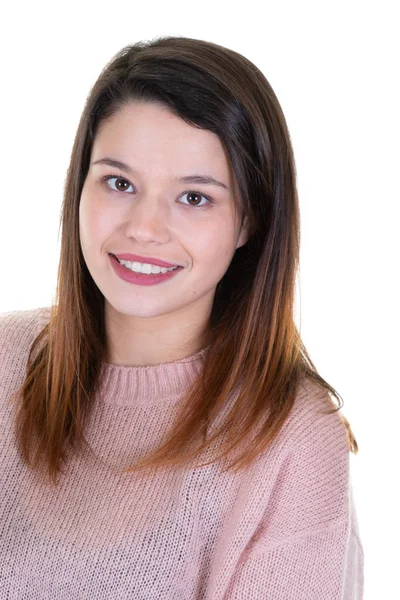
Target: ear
{"points": [[244, 233]]}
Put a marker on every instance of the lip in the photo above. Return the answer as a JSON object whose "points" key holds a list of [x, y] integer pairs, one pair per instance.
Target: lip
{"points": [[146, 259], [141, 278]]}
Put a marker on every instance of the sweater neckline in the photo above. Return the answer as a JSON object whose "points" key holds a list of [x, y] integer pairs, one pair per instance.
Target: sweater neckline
{"points": [[122, 385]]}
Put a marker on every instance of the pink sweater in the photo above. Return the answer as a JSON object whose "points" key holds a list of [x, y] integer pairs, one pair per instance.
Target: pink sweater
{"points": [[284, 529]]}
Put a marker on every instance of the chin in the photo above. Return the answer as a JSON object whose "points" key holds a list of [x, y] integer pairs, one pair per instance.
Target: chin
{"points": [[135, 309]]}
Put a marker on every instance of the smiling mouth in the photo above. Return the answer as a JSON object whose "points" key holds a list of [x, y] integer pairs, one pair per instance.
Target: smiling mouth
{"points": [[144, 268]]}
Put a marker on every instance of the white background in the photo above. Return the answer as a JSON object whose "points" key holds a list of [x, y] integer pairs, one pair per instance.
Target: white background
{"points": [[335, 68]]}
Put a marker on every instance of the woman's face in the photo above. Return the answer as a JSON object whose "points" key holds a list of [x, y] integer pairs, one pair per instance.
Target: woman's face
{"points": [[147, 209]]}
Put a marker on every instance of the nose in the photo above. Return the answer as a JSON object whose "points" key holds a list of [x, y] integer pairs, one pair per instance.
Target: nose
{"points": [[147, 220]]}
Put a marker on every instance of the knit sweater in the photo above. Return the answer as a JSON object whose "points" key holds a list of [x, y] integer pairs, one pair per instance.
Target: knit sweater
{"points": [[284, 528]]}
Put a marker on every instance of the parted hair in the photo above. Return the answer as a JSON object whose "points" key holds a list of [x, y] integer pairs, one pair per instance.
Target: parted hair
{"points": [[254, 348]]}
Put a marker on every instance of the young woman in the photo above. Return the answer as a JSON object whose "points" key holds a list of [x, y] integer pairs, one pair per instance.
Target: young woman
{"points": [[164, 431]]}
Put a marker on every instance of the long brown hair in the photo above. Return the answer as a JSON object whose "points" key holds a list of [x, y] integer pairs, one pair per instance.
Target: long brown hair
{"points": [[254, 347]]}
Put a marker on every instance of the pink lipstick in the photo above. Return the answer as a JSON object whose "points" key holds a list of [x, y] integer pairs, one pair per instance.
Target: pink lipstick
{"points": [[141, 278], [145, 259]]}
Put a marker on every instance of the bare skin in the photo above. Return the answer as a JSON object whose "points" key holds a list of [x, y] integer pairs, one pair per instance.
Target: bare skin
{"points": [[153, 214]]}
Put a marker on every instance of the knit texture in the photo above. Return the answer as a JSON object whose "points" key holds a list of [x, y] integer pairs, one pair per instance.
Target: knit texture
{"points": [[283, 529]]}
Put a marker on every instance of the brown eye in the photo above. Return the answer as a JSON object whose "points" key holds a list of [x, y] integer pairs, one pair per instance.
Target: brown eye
{"points": [[194, 199], [120, 184]]}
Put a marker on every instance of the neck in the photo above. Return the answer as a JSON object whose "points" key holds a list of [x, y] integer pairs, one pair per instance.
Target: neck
{"points": [[138, 342]]}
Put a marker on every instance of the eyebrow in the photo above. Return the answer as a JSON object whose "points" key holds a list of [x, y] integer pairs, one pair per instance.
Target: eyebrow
{"points": [[204, 179]]}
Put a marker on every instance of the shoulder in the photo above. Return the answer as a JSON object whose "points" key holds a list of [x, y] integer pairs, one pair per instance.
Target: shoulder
{"points": [[22, 325], [314, 424], [18, 329], [317, 467], [316, 416], [308, 484], [315, 440]]}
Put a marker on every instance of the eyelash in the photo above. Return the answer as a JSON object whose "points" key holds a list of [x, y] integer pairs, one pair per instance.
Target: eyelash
{"points": [[209, 200]]}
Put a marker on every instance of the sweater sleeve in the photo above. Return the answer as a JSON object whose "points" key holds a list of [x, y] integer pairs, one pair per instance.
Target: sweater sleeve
{"points": [[327, 565], [307, 546]]}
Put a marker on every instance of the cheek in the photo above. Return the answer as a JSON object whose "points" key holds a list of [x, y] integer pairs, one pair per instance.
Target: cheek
{"points": [[94, 224], [213, 248]]}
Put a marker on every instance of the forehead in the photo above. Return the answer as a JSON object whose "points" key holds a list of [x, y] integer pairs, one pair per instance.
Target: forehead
{"points": [[148, 135]]}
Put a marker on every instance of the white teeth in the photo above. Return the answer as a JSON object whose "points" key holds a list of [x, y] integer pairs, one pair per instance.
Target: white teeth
{"points": [[146, 268]]}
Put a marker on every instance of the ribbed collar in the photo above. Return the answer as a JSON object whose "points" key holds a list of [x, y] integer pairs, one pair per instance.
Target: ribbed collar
{"points": [[155, 384]]}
